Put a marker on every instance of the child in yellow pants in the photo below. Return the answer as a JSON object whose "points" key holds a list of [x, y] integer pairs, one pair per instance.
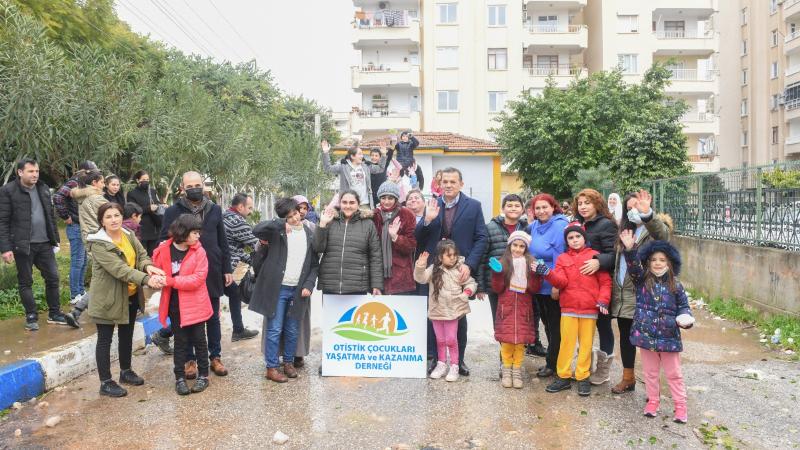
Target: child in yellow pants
{"points": [[582, 330]]}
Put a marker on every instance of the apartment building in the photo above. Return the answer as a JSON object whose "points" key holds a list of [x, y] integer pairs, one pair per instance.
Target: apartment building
{"points": [[761, 110], [451, 65]]}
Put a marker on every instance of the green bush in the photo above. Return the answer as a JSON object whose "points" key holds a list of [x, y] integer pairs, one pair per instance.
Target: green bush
{"points": [[10, 304]]}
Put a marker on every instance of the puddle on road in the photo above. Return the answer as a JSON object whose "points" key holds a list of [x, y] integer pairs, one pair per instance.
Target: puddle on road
{"points": [[23, 343]]}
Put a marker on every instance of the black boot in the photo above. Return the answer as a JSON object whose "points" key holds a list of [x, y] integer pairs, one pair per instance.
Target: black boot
{"points": [[200, 385], [463, 370], [181, 387], [73, 318], [130, 377], [112, 389]]}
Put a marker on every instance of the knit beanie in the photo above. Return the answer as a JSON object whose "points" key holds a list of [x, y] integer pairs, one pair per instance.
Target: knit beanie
{"points": [[300, 199], [389, 188], [520, 235], [577, 227]]}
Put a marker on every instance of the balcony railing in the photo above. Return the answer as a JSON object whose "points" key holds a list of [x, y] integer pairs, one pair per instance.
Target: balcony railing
{"points": [[691, 75], [383, 112], [792, 104], [789, 3], [536, 28], [793, 139], [792, 69], [383, 19], [792, 36], [682, 34], [546, 70], [695, 116], [400, 67]]}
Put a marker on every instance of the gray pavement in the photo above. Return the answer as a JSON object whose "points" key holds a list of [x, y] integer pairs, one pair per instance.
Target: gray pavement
{"points": [[740, 394]]}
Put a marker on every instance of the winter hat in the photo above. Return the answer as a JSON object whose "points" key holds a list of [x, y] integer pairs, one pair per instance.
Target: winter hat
{"points": [[520, 235], [664, 247], [389, 188], [300, 199], [578, 227]]}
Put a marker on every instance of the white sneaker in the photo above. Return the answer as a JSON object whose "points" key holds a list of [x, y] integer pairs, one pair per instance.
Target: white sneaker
{"points": [[74, 300], [439, 370], [452, 375]]}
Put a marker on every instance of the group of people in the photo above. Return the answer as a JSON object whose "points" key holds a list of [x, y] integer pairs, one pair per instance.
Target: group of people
{"points": [[533, 262]]}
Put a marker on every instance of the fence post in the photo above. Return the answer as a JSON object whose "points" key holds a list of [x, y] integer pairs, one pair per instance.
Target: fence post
{"points": [[700, 206], [759, 206]]}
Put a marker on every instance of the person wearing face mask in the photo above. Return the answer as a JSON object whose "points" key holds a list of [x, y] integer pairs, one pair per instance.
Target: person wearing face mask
{"points": [[146, 198], [220, 273], [353, 173], [646, 226]]}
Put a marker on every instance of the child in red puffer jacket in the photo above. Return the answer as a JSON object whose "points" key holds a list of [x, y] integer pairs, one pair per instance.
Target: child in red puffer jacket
{"points": [[581, 298]]}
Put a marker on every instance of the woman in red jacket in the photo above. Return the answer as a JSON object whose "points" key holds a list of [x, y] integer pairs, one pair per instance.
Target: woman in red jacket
{"points": [[185, 298], [516, 284], [581, 298], [395, 225]]}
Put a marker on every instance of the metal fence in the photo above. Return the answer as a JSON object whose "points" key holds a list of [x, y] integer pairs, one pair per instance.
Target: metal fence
{"points": [[741, 205]]}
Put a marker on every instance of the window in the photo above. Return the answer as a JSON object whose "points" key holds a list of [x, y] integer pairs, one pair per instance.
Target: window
{"points": [[774, 38], [547, 24], [446, 57], [497, 15], [744, 77], [448, 12], [743, 17], [628, 63], [674, 28], [447, 101], [498, 59], [773, 6], [773, 70], [774, 135], [744, 138], [497, 101], [744, 46], [773, 102], [628, 24], [743, 107]]}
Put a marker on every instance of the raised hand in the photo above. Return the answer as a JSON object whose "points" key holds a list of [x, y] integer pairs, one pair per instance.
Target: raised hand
{"points": [[326, 147], [422, 260], [432, 211], [644, 201], [627, 239], [394, 228]]}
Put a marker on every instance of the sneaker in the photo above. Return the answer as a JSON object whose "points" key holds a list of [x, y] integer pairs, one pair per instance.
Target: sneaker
{"points": [[463, 369], [651, 409], [681, 415], [516, 377], [56, 318], [545, 372], [162, 343], [243, 335], [130, 377], [536, 349], [440, 370], [505, 377], [112, 389], [74, 300], [200, 385], [181, 387], [32, 322], [73, 318], [584, 388], [558, 385], [452, 374]]}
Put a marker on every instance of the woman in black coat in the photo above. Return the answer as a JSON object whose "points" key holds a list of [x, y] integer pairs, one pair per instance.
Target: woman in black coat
{"points": [[146, 198], [113, 190], [601, 231]]}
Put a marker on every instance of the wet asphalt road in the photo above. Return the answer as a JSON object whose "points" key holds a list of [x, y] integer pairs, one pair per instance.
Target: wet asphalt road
{"points": [[244, 410]]}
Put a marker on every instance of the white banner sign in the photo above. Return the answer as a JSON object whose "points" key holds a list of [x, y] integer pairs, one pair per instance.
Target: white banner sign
{"points": [[374, 336]]}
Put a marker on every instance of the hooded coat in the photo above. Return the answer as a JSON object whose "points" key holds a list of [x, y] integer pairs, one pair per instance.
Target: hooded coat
{"points": [[547, 243], [452, 302], [351, 255], [194, 303], [513, 323], [579, 293], [496, 242], [89, 201]]}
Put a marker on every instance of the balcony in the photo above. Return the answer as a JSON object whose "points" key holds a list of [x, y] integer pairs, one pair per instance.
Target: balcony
{"points": [[792, 146], [695, 122], [563, 74], [792, 75], [534, 5], [704, 163], [791, 43], [684, 42], [692, 81], [384, 119], [574, 38], [792, 109], [791, 9], [401, 75], [379, 29]]}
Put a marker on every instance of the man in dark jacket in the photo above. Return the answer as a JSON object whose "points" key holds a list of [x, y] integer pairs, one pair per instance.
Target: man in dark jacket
{"points": [[239, 236], [284, 284], [214, 242], [459, 218], [28, 235], [67, 210]]}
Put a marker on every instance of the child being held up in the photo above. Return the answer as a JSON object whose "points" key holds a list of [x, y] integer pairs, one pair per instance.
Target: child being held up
{"points": [[581, 297]]}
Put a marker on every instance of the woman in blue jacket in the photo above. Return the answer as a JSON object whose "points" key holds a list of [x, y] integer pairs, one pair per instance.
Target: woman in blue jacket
{"points": [[547, 243]]}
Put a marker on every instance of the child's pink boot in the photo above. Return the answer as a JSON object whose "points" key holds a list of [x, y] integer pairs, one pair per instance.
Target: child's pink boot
{"points": [[681, 415]]}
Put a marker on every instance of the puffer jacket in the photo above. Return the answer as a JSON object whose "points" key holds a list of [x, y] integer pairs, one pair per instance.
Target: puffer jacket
{"points": [[15, 217], [579, 294], [547, 242], [89, 201], [601, 235], [111, 275], [495, 247], [351, 255], [514, 321], [623, 296], [654, 323], [402, 279], [194, 303], [452, 302]]}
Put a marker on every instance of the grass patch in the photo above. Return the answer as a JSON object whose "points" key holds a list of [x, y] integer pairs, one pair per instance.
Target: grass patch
{"points": [[767, 323]]}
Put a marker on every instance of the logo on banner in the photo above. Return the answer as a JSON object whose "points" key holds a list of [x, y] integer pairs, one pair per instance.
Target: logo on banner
{"points": [[371, 321]]}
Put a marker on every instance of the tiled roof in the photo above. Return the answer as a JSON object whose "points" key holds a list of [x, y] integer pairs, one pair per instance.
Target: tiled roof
{"points": [[435, 140]]}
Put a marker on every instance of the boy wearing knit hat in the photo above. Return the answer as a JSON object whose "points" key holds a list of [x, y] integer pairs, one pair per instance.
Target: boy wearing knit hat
{"points": [[581, 298]]}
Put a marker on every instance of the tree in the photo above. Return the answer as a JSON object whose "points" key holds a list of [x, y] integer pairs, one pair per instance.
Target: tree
{"points": [[598, 179], [548, 139]]}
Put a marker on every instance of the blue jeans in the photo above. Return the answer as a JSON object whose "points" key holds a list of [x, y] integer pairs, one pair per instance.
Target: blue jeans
{"points": [[281, 323], [77, 261]]}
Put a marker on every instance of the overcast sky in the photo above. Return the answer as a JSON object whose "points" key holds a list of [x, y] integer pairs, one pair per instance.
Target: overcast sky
{"points": [[306, 45]]}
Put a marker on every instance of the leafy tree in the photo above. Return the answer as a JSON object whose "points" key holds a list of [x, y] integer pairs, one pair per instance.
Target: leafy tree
{"points": [[598, 179], [596, 120]]}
